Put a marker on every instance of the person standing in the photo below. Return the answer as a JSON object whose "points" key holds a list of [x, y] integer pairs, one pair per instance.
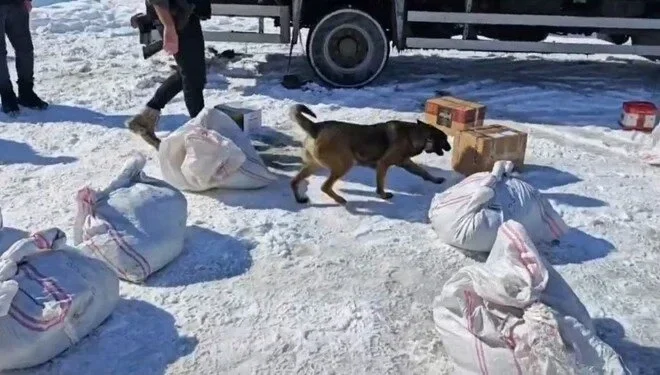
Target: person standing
{"points": [[182, 38], [15, 24]]}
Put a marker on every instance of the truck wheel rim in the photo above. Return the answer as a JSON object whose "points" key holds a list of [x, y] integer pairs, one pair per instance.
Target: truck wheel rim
{"points": [[347, 48]]}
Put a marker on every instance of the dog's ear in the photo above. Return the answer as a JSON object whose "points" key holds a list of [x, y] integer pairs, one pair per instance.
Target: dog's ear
{"points": [[421, 123]]}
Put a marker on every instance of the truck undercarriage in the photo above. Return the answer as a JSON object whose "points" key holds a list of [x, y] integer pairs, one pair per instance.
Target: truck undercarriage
{"points": [[349, 40]]}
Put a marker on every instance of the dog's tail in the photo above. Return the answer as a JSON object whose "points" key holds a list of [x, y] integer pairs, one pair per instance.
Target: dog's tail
{"points": [[297, 114]]}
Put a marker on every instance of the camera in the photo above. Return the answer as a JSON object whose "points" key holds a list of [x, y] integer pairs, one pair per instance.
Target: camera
{"points": [[150, 31]]}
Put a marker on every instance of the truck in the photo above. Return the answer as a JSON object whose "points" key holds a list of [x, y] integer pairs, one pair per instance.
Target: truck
{"points": [[349, 41]]}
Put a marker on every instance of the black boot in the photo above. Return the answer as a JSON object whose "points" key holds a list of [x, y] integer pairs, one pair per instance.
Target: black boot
{"points": [[9, 102], [27, 97]]}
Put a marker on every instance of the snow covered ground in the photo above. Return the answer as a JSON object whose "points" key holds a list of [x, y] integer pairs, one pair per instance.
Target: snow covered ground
{"points": [[269, 286]]}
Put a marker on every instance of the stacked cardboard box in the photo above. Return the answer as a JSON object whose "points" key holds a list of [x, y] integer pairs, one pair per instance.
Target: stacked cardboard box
{"points": [[477, 150], [453, 115], [476, 147]]}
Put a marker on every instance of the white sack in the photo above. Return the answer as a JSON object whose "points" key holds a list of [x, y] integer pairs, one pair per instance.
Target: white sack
{"points": [[469, 214], [1, 225], [210, 151], [516, 315], [64, 296], [136, 225]]}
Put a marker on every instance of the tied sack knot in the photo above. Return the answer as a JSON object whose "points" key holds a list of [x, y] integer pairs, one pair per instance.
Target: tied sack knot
{"points": [[86, 198]]}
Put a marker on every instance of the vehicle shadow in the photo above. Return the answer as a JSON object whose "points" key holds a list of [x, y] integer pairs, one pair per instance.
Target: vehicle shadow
{"points": [[530, 90]]}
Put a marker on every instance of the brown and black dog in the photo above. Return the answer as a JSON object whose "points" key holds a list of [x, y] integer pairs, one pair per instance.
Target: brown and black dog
{"points": [[338, 146]]}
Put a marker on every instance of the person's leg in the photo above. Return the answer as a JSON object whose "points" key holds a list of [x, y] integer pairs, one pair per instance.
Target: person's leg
{"points": [[7, 95], [190, 79], [17, 26], [145, 123], [166, 92], [192, 62]]}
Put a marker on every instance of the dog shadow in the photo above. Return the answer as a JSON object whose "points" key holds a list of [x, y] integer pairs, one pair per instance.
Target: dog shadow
{"points": [[411, 199], [207, 256], [641, 360]]}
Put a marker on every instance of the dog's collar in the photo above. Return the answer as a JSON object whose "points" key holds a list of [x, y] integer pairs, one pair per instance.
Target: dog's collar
{"points": [[428, 147]]}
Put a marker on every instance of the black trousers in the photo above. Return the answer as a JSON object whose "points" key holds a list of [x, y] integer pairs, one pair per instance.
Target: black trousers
{"points": [[15, 24], [191, 77]]}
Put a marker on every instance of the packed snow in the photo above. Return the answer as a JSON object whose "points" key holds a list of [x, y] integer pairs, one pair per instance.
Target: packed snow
{"points": [[266, 285]]}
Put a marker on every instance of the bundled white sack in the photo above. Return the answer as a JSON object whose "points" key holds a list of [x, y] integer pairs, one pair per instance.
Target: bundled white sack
{"points": [[137, 224], [469, 214], [516, 315], [210, 151], [64, 296]]}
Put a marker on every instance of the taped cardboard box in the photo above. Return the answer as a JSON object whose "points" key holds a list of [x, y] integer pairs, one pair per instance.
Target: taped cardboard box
{"points": [[477, 150], [248, 119], [453, 115]]}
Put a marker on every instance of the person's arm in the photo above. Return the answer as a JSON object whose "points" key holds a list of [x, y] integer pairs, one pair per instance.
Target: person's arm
{"points": [[162, 8], [170, 37]]}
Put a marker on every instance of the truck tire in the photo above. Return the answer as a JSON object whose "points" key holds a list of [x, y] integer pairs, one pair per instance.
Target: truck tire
{"points": [[347, 48]]}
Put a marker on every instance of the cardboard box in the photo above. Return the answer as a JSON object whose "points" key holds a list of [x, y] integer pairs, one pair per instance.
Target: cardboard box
{"points": [[454, 115], [248, 119], [477, 150]]}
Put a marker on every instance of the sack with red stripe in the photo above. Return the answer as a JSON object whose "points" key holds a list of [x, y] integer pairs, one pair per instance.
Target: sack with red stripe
{"points": [[515, 314], [210, 151], [136, 225], [469, 214], [51, 296]]}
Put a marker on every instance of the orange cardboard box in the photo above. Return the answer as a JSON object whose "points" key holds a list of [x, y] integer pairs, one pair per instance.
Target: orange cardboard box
{"points": [[477, 150], [453, 115]]}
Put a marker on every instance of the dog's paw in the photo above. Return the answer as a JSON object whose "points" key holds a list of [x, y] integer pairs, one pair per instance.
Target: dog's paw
{"points": [[302, 200], [386, 195]]}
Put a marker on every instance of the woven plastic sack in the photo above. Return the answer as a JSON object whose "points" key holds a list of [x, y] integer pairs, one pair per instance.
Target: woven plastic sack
{"points": [[197, 159], [210, 151], [136, 225], [516, 315], [469, 214], [63, 296]]}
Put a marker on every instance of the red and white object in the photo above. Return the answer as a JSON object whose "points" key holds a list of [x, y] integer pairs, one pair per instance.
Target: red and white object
{"points": [[468, 215], [51, 297], [136, 225], [516, 315], [640, 116]]}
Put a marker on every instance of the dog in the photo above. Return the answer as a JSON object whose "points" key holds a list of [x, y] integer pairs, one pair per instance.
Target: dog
{"points": [[338, 146]]}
